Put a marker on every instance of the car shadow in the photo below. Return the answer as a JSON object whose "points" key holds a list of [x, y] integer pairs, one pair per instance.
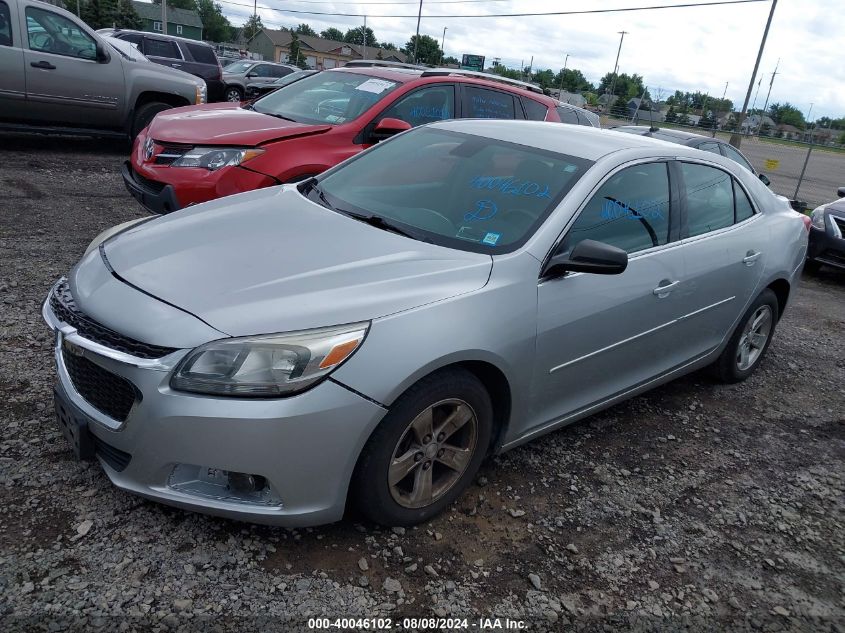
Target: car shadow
{"points": [[63, 143]]}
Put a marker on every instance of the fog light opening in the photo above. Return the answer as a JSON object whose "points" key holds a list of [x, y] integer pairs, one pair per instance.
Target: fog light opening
{"points": [[223, 485]]}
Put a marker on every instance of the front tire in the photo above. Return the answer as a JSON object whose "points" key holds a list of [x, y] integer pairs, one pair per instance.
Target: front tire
{"points": [[233, 94], [145, 114], [812, 266], [426, 451], [750, 340]]}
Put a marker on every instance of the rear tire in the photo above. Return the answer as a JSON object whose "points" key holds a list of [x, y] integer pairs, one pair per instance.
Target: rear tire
{"points": [[440, 462], [749, 342], [812, 266], [233, 94], [145, 114]]}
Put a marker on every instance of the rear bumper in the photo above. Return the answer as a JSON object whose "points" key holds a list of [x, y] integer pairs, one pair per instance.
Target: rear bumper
{"points": [[826, 249], [155, 197]]}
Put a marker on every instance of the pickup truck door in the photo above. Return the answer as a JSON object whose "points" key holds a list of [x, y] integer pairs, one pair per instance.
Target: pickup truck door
{"points": [[65, 84], [13, 86]]}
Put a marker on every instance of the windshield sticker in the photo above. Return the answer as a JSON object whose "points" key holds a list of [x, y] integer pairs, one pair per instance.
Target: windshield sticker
{"points": [[511, 186], [376, 86], [484, 210], [570, 168], [613, 209], [491, 239], [469, 233]]}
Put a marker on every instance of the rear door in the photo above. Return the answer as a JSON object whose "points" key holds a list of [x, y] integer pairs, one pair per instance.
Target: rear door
{"points": [[725, 243], [65, 84], [480, 102], [164, 51], [13, 85]]}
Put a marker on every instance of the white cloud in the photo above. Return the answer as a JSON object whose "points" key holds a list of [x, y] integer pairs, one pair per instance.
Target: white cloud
{"points": [[675, 49]]}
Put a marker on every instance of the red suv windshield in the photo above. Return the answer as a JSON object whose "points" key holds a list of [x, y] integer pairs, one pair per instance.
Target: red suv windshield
{"points": [[327, 97]]}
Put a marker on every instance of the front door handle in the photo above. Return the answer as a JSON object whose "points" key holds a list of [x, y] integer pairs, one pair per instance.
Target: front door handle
{"points": [[42, 64], [663, 291], [176, 65], [751, 257]]}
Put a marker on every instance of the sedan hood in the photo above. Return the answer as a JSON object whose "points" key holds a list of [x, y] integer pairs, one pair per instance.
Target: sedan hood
{"points": [[272, 261], [225, 124]]}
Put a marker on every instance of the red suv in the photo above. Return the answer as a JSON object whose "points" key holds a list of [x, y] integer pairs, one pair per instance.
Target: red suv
{"points": [[191, 155]]}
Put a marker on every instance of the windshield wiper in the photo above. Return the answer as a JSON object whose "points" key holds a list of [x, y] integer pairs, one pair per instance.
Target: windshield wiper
{"points": [[278, 116], [381, 223], [311, 185]]}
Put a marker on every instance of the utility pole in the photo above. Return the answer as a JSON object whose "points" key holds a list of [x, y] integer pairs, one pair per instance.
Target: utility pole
{"points": [[809, 113], [724, 92], [768, 94], [616, 65], [531, 68], [562, 73], [78, 13], [417, 38], [443, 45], [164, 16], [736, 138], [365, 35]]}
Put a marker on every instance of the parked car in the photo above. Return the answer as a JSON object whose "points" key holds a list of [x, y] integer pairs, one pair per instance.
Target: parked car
{"points": [[308, 126], [259, 89], [698, 141], [827, 235], [239, 76], [61, 75], [191, 56], [375, 332]]}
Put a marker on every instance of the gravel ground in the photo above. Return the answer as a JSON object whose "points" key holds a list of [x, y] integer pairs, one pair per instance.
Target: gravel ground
{"points": [[697, 506]]}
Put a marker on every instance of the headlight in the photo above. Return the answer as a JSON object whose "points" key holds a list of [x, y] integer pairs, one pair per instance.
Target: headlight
{"points": [[212, 158], [817, 217], [102, 237], [272, 365], [202, 93]]}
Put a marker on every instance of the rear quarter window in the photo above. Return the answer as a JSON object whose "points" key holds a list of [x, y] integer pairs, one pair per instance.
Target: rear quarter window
{"points": [[534, 110], [161, 48], [567, 115], [488, 104], [202, 54], [5, 25]]}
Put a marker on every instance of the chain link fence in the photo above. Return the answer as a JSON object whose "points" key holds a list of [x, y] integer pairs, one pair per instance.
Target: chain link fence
{"points": [[804, 165]]}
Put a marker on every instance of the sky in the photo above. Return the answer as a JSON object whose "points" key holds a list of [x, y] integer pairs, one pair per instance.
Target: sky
{"points": [[688, 49]]}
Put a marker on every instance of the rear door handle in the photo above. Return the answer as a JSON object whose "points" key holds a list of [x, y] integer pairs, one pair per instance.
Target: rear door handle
{"points": [[176, 65], [42, 64], [663, 291], [751, 257]]}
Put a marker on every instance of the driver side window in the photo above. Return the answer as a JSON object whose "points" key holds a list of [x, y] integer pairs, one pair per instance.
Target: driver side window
{"points": [[629, 211], [50, 32], [434, 103]]}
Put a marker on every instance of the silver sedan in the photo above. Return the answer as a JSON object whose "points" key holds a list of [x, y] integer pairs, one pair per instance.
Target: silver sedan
{"points": [[372, 334]]}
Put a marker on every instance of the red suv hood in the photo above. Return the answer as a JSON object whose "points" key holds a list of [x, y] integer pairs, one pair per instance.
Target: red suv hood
{"points": [[225, 124]]}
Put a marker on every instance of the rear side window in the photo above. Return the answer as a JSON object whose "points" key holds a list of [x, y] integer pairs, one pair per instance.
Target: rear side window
{"points": [[534, 111], [709, 198], [488, 104], [161, 48], [744, 210], [629, 211], [5, 25], [202, 54], [132, 37], [433, 103], [567, 115], [734, 155], [584, 120], [710, 147]]}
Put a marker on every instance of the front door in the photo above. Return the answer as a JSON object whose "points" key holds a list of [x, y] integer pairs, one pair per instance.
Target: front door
{"points": [[65, 84], [597, 335], [13, 85]]}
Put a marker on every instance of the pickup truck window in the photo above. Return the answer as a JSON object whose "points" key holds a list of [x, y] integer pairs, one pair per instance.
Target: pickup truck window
{"points": [[5, 25], [50, 32]]}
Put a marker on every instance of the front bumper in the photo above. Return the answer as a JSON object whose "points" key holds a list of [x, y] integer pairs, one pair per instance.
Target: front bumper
{"points": [[305, 446], [825, 248], [155, 197]]}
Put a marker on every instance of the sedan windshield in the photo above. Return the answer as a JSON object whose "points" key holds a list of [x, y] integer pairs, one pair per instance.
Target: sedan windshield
{"points": [[453, 189], [238, 67], [327, 97]]}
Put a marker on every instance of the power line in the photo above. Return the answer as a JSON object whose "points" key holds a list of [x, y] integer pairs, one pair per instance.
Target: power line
{"points": [[506, 15]]}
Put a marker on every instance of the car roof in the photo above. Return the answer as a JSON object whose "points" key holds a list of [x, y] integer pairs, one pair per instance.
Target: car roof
{"points": [[187, 40], [645, 130], [574, 140]]}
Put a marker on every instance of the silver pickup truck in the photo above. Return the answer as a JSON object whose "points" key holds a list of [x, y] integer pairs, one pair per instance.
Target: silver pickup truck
{"points": [[58, 74]]}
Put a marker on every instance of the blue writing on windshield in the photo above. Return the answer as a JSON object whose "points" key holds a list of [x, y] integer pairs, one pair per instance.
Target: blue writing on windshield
{"points": [[437, 113], [636, 210], [511, 186], [484, 210]]}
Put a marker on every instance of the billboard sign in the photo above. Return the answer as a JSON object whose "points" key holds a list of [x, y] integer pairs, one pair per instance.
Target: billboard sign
{"points": [[473, 62]]}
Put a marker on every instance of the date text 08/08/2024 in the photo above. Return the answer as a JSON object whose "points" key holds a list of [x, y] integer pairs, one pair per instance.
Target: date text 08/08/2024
{"points": [[415, 624]]}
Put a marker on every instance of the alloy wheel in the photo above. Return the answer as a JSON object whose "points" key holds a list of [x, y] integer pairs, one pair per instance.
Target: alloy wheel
{"points": [[233, 95], [433, 453], [755, 334]]}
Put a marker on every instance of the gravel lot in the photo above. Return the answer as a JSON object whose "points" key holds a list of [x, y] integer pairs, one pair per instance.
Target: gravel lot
{"points": [[697, 505]]}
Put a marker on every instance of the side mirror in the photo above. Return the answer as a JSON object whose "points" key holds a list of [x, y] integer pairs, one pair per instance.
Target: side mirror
{"points": [[251, 75], [765, 179], [100, 54], [388, 127], [841, 192], [588, 256]]}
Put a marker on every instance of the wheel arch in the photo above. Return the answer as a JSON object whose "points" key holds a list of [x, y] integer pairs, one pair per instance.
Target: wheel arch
{"points": [[151, 95], [781, 288]]}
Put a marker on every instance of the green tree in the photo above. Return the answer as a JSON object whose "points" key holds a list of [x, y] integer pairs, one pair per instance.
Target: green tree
{"points": [[573, 81], [504, 71], [787, 114], [190, 5], [428, 50], [252, 26], [683, 119], [626, 85], [356, 36], [545, 78], [99, 14], [215, 25], [450, 60], [332, 33], [126, 17], [671, 115], [388, 46], [295, 56], [305, 29], [841, 140], [379, 54], [620, 106]]}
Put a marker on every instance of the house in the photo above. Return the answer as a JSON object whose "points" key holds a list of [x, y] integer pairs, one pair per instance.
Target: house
{"points": [[316, 52], [788, 131], [753, 122], [181, 22], [572, 98]]}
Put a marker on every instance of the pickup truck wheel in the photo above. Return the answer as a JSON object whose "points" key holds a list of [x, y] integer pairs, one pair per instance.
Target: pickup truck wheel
{"points": [[145, 114], [233, 94]]}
